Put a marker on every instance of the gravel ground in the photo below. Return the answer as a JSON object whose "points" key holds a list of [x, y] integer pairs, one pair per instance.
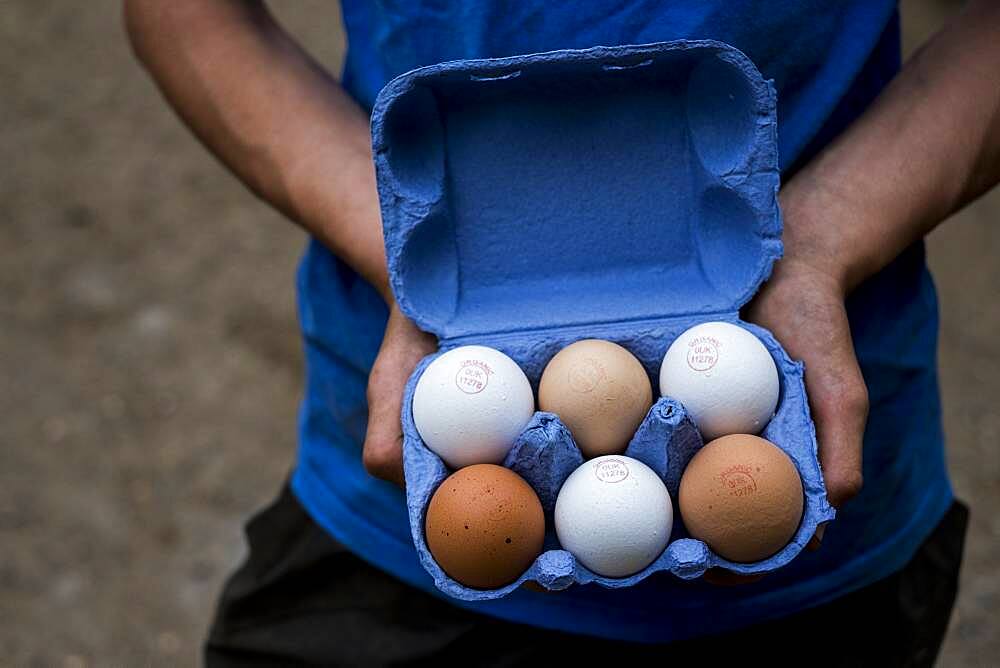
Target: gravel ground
{"points": [[150, 367]]}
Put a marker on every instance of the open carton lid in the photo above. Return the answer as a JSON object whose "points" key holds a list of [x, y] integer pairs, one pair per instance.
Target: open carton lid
{"points": [[578, 187]]}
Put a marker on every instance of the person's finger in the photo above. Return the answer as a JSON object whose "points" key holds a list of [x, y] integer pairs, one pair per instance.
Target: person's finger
{"points": [[817, 539], [383, 447], [403, 346], [806, 312], [839, 402]]}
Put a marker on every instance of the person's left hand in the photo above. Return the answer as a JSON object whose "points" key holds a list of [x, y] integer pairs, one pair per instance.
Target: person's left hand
{"points": [[403, 346], [802, 304]]}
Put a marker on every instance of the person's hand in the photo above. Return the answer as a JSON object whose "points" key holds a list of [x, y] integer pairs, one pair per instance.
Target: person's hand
{"points": [[803, 306], [805, 310], [403, 346]]}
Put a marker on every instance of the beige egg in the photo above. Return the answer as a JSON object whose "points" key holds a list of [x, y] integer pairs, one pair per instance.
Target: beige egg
{"points": [[742, 496], [485, 526], [600, 391]]}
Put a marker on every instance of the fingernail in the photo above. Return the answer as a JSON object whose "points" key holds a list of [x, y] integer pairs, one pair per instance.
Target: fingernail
{"points": [[820, 530], [817, 538]]}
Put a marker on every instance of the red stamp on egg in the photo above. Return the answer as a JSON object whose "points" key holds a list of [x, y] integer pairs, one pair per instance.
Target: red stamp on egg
{"points": [[473, 376], [611, 470], [703, 353], [737, 480]]}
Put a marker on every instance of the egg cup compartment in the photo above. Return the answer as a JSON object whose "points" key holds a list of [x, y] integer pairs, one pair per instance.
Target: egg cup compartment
{"points": [[621, 193]]}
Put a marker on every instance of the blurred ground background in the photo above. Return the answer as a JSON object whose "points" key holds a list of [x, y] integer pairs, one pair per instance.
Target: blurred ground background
{"points": [[150, 365]]}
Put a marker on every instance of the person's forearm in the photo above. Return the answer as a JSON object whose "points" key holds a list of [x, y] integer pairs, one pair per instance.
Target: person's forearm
{"points": [[271, 114], [928, 146]]}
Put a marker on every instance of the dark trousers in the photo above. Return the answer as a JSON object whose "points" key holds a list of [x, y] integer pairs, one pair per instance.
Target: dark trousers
{"points": [[301, 598]]}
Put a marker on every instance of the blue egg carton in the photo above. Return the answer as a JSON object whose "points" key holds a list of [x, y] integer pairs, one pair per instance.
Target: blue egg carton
{"points": [[621, 193]]}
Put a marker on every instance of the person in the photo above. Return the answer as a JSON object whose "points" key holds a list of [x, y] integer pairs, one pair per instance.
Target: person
{"points": [[873, 156]]}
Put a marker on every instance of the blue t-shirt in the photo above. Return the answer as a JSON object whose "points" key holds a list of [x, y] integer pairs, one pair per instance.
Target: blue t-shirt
{"points": [[828, 59]]}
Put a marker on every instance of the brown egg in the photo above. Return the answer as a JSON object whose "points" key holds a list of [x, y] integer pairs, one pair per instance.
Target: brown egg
{"points": [[485, 526], [742, 495], [601, 393]]}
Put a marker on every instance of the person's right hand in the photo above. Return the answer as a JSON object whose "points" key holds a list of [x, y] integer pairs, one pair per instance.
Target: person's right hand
{"points": [[403, 346]]}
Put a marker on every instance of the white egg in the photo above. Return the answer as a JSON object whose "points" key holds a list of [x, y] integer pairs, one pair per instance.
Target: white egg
{"points": [[614, 515], [724, 377], [470, 404]]}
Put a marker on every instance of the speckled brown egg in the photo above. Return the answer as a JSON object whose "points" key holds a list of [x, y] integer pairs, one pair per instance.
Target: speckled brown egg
{"points": [[485, 526], [742, 495], [600, 391]]}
